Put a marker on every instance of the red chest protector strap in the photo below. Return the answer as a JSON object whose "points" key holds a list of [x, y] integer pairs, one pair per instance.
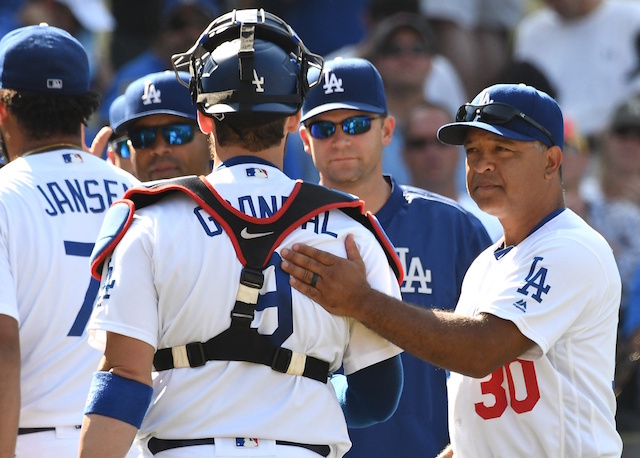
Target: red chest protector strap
{"points": [[254, 240]]}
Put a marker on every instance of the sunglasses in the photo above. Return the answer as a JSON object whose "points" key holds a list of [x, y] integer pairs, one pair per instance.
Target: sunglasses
{"points": [[356, 125], [173, 134], [497, 113], [120, 147]]}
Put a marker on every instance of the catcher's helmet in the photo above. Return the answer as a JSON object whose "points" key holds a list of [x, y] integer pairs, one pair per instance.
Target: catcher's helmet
{"points": [[248, 61]]}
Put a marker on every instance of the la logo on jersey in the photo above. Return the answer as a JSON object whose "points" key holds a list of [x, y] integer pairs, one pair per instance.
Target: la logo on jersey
{"points": [[151, 94], [246, 442], [535, 279], [332, 83]]}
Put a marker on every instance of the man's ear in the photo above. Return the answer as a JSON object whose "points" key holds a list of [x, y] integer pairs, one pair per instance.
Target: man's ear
{"points": [[293, 123], [304, 136], [388, 127], [554, 160], [205, 123]]}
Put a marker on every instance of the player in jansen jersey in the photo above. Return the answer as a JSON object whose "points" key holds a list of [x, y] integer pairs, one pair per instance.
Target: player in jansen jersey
{"points": [[53, 198], [345, 127], [531, 344], [194, 286]]}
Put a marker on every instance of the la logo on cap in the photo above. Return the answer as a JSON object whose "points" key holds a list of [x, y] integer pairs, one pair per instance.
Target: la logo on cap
{"points": [[332, 83], [151, 94]]}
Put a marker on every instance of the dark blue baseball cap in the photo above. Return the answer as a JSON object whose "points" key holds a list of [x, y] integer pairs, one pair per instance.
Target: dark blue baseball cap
{"points": [[351, 84], [116, 112], [43, 59], [156, 93], [536, 106]]}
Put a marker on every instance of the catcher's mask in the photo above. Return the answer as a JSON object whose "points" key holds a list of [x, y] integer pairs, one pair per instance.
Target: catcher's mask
{"points": [[248, 62]]}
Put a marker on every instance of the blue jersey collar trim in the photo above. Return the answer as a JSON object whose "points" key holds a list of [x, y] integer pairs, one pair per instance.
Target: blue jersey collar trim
{"points": [[502, 250]]}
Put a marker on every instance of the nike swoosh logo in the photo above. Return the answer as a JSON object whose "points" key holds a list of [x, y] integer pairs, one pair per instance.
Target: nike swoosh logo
{"points": [[245, 234]]}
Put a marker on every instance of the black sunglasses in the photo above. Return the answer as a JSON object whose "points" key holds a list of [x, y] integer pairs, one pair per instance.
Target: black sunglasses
{"points": [[120, 147], [497, 113], [356, 125], [173, 134]]}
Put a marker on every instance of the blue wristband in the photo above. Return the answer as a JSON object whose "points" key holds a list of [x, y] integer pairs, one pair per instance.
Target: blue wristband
{"points": [[118, 397]]}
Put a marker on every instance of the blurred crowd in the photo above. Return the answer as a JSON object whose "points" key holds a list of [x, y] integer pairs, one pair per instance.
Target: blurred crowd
{"points": [[433, 56]]}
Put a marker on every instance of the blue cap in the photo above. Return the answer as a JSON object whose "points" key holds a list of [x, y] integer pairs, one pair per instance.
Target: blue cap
{"points": [[535, 104], [116, 112], [351, 84], [43, 59], [156, 93]]}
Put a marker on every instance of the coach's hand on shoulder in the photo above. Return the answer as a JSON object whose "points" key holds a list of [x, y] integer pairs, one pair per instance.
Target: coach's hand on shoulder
{"points": [[338, 284]]}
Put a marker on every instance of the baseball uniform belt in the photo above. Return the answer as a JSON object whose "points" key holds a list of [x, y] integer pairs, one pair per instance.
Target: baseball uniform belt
{"points": [[22, 431], [159, 445]]}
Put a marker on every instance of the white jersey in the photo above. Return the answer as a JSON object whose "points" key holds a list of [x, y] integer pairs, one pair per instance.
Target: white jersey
{"points": [[51, 208], [590, 61], [561, 288], [173, 279]]}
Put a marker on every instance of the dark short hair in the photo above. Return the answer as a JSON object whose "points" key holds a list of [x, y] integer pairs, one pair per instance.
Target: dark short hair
{"points": [[250, 134], [44, 115]]}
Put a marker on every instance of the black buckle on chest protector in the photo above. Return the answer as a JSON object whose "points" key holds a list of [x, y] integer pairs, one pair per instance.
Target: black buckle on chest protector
{"points": [[195, 353], [244, 310]]}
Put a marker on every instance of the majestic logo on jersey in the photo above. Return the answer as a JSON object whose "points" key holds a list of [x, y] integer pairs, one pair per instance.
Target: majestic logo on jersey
{"points": [[521, 304], [414, 273], [245, 234], [72, 158], [258, 82], [257, 173], [151, 94], [332, 83], [535, 279]]}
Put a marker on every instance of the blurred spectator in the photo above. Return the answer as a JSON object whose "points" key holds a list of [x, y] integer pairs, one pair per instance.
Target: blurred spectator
{"points": [[628, 363], [403, 49], [575, 164], [433, 165], [620, 154], [9, 20], [323, 25], [608, 192], [86, 20], [520, 71], [587, 50], [474, 35], [180, 24]]}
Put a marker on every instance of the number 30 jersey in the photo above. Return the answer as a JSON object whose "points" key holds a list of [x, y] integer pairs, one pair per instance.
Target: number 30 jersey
{"points": [[51, 208], [561, 288]]}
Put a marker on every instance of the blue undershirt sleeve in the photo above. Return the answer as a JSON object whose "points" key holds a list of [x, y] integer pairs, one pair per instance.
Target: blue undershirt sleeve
{"points": [[372, 394]]}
